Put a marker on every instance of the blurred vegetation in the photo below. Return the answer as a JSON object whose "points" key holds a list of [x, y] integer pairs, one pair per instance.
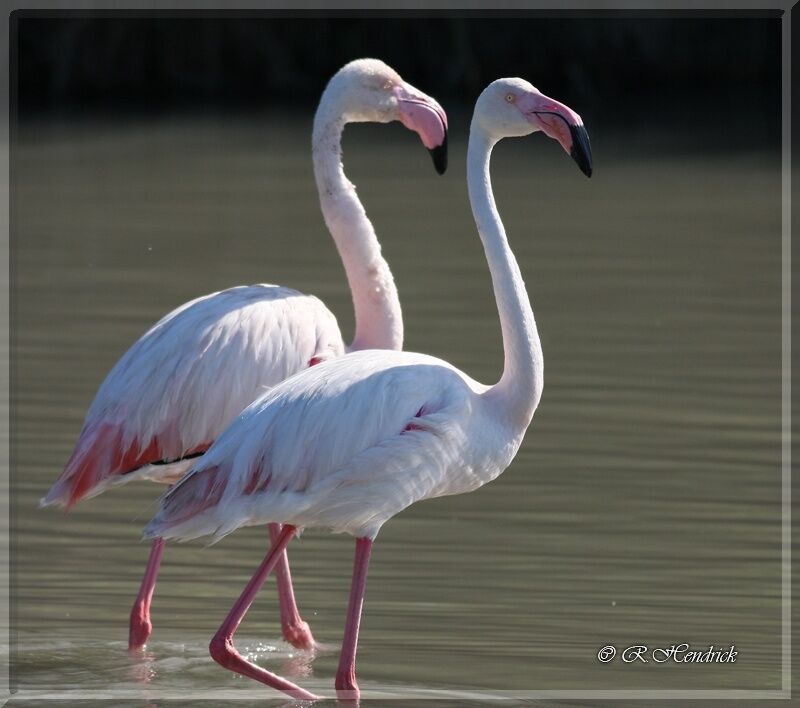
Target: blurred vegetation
{"points": [[609, 63]]}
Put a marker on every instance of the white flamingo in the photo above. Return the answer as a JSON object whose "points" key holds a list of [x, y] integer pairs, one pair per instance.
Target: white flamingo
{"points": [[349, 444], [177, 388]]}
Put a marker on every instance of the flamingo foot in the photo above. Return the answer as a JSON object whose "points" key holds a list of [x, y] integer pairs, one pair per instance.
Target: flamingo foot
{"points": [[140, 627], [298, 634], [221, 647], [225, 654], [347, 686]]}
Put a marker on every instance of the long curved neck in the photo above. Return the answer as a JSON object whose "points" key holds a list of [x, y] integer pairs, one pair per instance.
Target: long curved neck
{"points": [[379, 319], [520, 387]]}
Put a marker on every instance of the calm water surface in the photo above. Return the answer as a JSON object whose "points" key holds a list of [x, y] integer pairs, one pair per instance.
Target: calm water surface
{"points": [[643, 507]]}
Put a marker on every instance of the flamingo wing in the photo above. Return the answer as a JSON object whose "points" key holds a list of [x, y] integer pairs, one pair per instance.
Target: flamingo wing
{"points": [[345, 445], [174, 391]]}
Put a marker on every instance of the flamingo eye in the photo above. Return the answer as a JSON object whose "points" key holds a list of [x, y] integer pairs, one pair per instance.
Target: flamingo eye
{"points": [[510, 97]]}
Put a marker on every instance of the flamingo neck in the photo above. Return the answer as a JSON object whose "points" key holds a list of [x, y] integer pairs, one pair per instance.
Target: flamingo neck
{"points": [[379, 319], [520, 387]]}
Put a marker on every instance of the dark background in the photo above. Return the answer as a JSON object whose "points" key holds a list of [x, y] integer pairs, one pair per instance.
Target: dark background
{"points": [[708, 73]]}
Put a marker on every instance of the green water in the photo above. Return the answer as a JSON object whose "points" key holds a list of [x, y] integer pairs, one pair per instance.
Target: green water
{"points": [[643, 507]]}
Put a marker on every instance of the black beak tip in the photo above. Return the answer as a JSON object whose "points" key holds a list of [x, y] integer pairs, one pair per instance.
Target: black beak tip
{"points": [[439, 156], [584, 165], [581, 149]]}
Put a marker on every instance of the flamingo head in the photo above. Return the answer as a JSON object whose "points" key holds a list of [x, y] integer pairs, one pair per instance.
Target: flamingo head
{"points": [[512, 108], [374, 92]]}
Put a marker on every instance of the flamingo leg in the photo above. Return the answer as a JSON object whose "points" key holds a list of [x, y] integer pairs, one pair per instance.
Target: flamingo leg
{"points": [[221, 647], [346, 686], [140, 625], [295, 630]]}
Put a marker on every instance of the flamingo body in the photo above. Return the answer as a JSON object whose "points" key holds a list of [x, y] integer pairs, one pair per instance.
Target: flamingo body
{"points": [[380, 431], [175, 390]]}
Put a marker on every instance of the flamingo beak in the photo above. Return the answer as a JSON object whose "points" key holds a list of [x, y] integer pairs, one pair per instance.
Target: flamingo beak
{"points": [[423, 115], [561, 123]]}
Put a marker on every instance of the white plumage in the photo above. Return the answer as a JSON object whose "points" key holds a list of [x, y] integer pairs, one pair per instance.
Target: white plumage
{"points": [[380, 430], [208, 357], [188, 376]]}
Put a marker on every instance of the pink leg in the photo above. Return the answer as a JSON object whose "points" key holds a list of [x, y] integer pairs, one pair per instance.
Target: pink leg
{"points": [[346, 686], [221, 647], [295, 630], [140, 625]]}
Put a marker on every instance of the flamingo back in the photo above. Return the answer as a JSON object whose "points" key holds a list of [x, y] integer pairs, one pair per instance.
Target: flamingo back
{"points": [[174, 391], [345, 445]]}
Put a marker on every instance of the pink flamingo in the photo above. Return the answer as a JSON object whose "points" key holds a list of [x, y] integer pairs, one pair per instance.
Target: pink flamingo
{"points": [[177, 388], [349, 444]]}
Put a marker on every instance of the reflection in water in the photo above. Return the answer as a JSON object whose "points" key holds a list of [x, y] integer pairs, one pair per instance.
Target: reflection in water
{"points": [[147, 664], [296, 664], [143, 669], [643, 506]]}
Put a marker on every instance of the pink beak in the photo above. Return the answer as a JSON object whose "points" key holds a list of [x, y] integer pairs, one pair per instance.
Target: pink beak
{"points": [[561, 123], [423, 115]]}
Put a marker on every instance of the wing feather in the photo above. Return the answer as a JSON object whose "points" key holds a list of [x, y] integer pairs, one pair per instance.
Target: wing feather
{"points": [[372, 430], [187, 377]]}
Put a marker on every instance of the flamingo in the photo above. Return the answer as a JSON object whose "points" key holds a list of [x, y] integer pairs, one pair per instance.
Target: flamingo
{"points": [[350, 443], [177, 388]]}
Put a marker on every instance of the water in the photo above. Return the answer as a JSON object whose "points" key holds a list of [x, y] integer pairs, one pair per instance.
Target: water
{"points": [[643, 507]]}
